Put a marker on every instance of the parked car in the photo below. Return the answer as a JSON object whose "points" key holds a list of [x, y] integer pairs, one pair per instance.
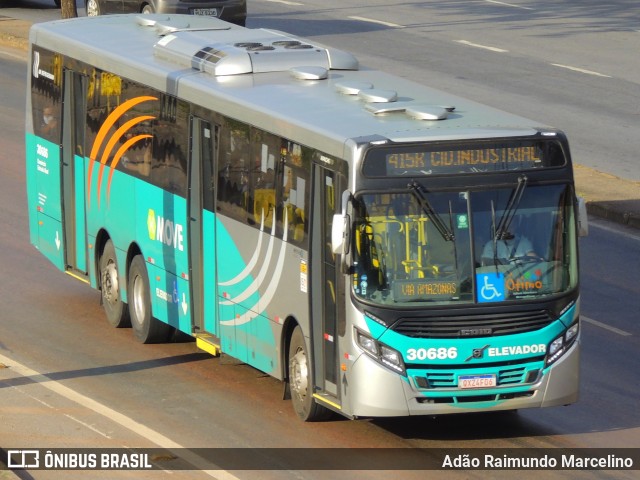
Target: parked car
{"points": [[234, 11]]}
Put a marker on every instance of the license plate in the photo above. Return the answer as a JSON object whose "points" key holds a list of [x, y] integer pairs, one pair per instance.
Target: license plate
{"points": [[476, 381], [210, 12]]}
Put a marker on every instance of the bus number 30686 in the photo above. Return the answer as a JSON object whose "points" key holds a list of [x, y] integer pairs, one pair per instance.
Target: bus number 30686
{"points": [[441, 353]]}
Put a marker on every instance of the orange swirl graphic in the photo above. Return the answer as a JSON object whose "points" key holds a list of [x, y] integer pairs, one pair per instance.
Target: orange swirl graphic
{"points": [[116, 158], [102, 134]]}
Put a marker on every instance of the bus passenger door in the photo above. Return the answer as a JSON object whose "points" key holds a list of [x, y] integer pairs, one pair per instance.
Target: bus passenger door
{"points": [[327, 284], [74, 160], [202, 229]]}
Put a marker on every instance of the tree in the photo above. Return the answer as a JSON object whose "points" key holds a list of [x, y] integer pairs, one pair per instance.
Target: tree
{"points": [[69, 8]]}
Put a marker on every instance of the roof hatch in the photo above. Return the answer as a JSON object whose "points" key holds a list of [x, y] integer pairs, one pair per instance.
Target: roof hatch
{"points": [[239, 51]]}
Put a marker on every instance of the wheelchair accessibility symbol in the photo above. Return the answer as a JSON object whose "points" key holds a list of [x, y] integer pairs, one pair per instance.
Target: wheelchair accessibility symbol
{"points": [[490, 287]]}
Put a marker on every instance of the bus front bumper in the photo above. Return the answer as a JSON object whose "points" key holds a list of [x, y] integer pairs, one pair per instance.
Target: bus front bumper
{"points": [[375, 391]]}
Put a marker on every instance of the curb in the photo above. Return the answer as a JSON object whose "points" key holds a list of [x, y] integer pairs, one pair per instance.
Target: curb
{"points": [[609, 197], [602, 210], [14, 33]]}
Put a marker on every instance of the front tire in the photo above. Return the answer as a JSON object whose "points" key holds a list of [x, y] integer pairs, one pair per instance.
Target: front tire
{"points": [[114, 308], [146, 328], [301, 381]]}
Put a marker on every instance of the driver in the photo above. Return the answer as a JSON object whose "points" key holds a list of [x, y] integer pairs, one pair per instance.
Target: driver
{"points": [[508, 248]]}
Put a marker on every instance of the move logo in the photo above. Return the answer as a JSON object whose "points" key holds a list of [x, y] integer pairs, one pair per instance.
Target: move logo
{"points": [[37, 72], [104, 144], [165, 231]]}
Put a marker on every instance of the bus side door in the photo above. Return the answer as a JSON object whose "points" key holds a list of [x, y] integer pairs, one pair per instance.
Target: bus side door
{"points": [[202, 228], [74, 160], [327, 283]]}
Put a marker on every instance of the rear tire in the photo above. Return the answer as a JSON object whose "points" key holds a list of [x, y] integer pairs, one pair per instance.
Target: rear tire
{"points": [[301, 381], [146, 328], [114, 308]]}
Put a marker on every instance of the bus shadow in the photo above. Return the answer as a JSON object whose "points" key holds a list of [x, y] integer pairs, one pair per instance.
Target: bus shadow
{"points": [[467, 426], [549, 422], [105, 370]]}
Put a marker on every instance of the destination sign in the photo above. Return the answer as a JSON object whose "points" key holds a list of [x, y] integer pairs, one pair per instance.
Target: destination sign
{"points": [[411, 290], [431, 160]]}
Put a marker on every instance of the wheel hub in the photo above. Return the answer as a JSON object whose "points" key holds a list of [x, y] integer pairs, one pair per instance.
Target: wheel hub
{"points": [[110, 283], [299, 374]]}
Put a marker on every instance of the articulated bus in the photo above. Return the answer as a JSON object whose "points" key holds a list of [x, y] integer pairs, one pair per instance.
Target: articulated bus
{"points": [[383, 248]]}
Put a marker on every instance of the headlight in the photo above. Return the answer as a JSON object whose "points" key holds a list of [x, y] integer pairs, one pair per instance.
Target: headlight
{"points": [[559, 346], [380, 352], [571, 332], [367, 343], [556, 345]]}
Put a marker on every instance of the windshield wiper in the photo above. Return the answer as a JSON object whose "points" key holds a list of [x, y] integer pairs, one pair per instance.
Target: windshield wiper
{"points": [[501, 232], [442, 228]]}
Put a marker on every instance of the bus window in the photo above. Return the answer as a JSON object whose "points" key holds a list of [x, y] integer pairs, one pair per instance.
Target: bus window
{"points": [[295, 191], [265, 149], [406, 253], [169, 161], [233, 173], [46, 96], [533, 248]]}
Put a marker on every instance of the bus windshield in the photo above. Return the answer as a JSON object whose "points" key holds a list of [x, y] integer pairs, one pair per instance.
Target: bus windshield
{"points": [[506, 244]]}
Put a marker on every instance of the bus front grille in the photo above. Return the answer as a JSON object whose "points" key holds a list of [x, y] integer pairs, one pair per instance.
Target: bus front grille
{"points": [[479, 325]]}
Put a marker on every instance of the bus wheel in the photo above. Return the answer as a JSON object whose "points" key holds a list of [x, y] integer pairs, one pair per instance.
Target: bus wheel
{"points": [[146, 328], [115, 309], [301, 381]]}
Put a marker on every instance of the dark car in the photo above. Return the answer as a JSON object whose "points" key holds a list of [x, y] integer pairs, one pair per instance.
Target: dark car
{"points": [[234, 11]]}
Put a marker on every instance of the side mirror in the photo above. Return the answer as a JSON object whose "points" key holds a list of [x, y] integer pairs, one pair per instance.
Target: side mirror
{"points": [[340, 234], [583, 222]]}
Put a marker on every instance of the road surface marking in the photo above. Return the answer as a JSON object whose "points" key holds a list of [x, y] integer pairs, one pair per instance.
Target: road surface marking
{"points": [[631, 234], [117, 417], [485, 47], [71, 417], [286, 2], [12, 55], [605, 326], [379, 22], [90, 427], [508, 4], [581, 70]]}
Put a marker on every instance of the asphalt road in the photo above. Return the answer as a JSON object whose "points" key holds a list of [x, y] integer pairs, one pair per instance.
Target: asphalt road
{"points": [[571, 64], [102, 389]]}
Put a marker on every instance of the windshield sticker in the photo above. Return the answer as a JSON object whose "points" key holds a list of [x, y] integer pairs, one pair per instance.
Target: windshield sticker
{"points": [[490, 287], [462, 221], [303, 276], [528, 282]]}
